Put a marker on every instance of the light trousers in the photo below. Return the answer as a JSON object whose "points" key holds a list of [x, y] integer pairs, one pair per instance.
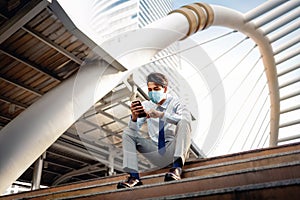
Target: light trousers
{"points": [[133, 143]]}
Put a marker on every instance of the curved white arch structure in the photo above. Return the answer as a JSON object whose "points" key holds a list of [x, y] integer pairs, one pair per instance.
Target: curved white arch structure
{"points": [[22, 143], [235, 20]]}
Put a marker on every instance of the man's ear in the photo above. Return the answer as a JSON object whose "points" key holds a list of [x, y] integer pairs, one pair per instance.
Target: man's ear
{"points": [[165, 89]]}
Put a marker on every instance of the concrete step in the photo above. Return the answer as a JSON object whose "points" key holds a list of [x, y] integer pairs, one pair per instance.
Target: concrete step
{"points": [[240, 178], [216, 174]]}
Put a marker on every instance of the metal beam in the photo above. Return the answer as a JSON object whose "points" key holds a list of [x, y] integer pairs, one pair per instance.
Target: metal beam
{"points": [[290, 109], [24, 15], [290, 82], [59, 165], [52, 44], [261, 9], [65, 157], [112, 117], [6, 117], [291, 123], [79, 151], [294, 137], [85, 170], [11, 101], [288, 56], [97, 147], [100, 128], [276, 13], [288, 70], [30, 64], [293, 94], [67, 22], [21, 85]]}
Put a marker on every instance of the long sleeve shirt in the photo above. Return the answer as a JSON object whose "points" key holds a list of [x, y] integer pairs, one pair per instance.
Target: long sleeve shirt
{"points": [[173, 110]]}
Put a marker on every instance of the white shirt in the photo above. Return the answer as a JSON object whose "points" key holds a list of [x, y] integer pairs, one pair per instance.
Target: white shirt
{"points": [[173, 112]]}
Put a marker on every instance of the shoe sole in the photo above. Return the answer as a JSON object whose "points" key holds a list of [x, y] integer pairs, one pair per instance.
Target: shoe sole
{"points": [[171, 178], [121, 186]]}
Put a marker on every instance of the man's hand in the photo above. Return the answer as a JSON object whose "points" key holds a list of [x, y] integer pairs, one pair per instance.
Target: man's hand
{"points": [[155, 114], [136, 109]]}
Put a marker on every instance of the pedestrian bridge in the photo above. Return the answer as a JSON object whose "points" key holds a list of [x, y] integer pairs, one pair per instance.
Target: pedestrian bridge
{"points": [[44, 109]]}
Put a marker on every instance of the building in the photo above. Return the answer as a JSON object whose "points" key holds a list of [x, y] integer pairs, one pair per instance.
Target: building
{"points": [[111, 18]]}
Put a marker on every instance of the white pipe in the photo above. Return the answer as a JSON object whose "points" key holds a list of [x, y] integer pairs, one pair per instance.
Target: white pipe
{"points": [[261, 9], [289, 5], [284, 32], [288, 56], [283, 21], [287, 45], [235, 20]]}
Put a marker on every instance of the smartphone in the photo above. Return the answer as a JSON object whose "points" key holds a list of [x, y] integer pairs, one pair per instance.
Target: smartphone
{"points": [[142, 113]]}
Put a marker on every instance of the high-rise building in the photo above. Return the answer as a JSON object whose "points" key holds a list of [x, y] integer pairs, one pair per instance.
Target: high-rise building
{"points": [[112, 17]]}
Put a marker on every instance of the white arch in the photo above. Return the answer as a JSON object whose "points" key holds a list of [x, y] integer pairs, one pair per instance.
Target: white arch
{"points": [[237, 21]]}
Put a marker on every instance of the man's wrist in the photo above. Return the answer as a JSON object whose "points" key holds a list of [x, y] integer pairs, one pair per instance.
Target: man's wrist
{"points": [[133, 119], [162, 115]]}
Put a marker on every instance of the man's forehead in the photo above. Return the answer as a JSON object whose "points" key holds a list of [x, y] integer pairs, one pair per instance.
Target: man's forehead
{"points": [[153, 84]]}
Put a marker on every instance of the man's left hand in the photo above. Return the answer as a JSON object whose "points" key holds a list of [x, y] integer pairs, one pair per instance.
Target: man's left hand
{"points": [[155, 114]]}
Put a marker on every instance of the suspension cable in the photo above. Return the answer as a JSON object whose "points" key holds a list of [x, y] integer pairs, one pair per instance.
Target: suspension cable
{"points": [[261, 125], [244, 57], [268, 135], [189, 48], [249, 113], [244, 79], [236, 115], [253, 124]]}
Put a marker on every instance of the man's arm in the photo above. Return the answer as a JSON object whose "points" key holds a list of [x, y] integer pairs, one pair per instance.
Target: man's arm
{"points": [[136, 123], [174, 113]]}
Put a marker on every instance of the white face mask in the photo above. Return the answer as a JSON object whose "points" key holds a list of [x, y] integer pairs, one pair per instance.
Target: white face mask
{"points": [[156, 96]]}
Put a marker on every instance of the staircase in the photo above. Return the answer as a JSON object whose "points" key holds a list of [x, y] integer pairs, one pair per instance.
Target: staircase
{"points": [[272, 173]]}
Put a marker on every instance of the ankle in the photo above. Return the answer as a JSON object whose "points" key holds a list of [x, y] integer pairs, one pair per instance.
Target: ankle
{"points": [[135, 175], [178, 163]]}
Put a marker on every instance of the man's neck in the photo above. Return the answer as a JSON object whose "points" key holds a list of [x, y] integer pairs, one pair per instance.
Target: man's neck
{"points": [[162, 101]]}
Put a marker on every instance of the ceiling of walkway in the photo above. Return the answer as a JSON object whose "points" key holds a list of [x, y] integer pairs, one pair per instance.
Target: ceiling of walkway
{"points": [[38, 52]]}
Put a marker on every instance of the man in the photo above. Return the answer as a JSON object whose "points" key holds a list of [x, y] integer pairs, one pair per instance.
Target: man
{"points": [[169, 129]]}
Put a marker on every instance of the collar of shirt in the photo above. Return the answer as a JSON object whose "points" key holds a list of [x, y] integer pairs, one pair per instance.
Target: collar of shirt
{"points": [[167, 101]]}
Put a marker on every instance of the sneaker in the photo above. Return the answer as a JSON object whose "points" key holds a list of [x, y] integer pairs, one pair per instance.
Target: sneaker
{"points": [[129, 183], [173, 174]]}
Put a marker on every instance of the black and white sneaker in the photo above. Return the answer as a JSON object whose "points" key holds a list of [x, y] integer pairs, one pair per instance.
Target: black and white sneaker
{"points": [[173, 174], [129, 183]]}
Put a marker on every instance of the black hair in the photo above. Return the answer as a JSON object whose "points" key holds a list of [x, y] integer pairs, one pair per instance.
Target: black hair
{"points": [[158, 78]]}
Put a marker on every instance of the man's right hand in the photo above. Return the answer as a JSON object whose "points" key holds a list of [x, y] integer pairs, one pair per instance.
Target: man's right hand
{"points": [[135, 110]]}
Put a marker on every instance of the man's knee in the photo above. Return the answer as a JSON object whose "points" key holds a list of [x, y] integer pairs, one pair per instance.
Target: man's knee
{"points": [[184, 122], [128, 132]]}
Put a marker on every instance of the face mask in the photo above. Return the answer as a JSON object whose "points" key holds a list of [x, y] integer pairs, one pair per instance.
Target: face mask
{"points": [[156, 96]]}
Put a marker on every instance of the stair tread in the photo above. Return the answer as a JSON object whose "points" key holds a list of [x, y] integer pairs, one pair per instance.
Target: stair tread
{"points": [[199, 168]]}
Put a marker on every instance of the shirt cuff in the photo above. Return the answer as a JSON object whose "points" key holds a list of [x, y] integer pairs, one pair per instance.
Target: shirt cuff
{"points": [[133, 125], [165, 117]]}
